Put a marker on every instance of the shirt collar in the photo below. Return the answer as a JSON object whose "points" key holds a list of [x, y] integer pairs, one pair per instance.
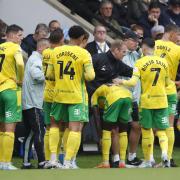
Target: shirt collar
{"points": [[110, 56], [103, 43], [36, 53]]}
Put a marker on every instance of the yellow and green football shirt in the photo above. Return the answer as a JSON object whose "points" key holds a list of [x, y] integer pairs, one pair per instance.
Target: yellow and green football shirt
{"points": [[171, 52], [49, 82], [153, 72], [106, 95], [72, 65], [11, 65]]}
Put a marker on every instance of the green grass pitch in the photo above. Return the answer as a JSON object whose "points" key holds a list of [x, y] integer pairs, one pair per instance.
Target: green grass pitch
{"points": [[88, 172]]}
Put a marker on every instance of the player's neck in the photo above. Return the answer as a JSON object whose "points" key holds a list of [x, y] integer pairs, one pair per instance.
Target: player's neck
{"points": [[11, 40], [149, 53], [74, 42], [54, 45], [165, 37]]}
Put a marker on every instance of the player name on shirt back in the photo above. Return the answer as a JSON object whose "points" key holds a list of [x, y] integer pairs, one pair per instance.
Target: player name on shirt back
{"points": [[67, 53], [164, 48], [153, 62]]}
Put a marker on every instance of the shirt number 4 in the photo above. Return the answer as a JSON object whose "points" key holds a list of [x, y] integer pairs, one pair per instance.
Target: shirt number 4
{"points": [[67, 70]]}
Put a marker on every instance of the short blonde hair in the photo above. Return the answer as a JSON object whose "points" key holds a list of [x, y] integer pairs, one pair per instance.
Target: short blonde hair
{"points": [[116, 44]]}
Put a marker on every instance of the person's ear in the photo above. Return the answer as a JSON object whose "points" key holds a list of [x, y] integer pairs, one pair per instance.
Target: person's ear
{"points": [[81, 38]]}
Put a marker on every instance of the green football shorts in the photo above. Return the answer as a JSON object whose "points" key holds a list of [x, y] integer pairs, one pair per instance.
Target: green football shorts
{"points": [[154, 118], [119, 111], [10, 106], [172, 101], [47, 111], [70, 112]]}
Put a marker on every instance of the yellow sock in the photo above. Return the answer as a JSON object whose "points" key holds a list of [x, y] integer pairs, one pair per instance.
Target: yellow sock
{"points": [[60, 141], [8, 145], [78, 145], [163, 141], [53, 140], [152, 142], [106, 144], [72, 143], [46, 146], [170, 135], [146, 143], [1, 146], [65, 137], [123, 142]]}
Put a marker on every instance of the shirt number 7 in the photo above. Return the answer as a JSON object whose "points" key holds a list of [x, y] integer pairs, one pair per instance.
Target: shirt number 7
{"points": [[157, 70]]}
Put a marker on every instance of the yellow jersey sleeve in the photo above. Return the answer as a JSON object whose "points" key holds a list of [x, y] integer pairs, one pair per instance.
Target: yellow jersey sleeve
{"points": [[19, 64], [88, 67], [11, 65], [135, 77]]}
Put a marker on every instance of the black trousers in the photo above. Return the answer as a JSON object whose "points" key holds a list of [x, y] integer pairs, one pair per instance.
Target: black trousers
{"points": [[34, 124]]}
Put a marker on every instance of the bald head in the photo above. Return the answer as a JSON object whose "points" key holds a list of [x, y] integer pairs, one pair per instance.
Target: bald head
{"points": [[42, 44]]}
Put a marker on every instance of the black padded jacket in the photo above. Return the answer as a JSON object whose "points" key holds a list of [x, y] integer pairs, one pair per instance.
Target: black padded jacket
{"points": [[107, 68]]}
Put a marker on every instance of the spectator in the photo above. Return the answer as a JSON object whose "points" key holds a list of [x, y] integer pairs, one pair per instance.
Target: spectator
{"points": [[157, 32], [152, 18], [105, 18], [30, 41], [163, 4], [174, 11], [99, 45], [53, 25], [33, 86], [120, 12], [93, 5], [136, 9], [3, 28], [139, 31]]}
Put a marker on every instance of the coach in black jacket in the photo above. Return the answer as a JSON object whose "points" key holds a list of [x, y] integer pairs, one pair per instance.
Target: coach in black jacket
{"points": [[108, 66]]}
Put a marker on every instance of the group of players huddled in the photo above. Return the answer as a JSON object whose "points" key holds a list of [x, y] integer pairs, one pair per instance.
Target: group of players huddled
{"points": [[66, 69]]}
